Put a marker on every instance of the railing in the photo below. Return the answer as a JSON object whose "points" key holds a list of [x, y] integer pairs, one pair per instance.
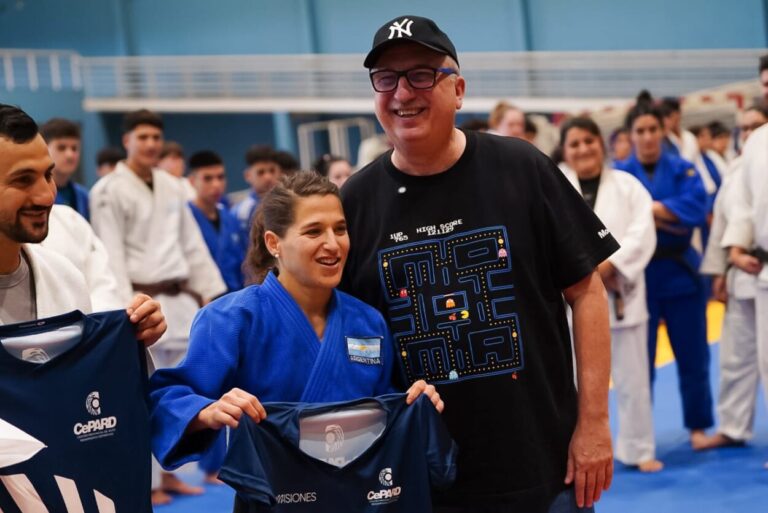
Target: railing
{"points": [[338, 83], [39, 69]]}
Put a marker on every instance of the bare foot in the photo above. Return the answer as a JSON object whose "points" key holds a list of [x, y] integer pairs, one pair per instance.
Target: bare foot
{"points": [[650, 466], [213, 479], [715, 441], [173, 484], [160, 498], [698, 439]]}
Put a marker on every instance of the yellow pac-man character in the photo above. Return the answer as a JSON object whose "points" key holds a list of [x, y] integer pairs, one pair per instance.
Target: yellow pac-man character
{"points": [[464, 314]]}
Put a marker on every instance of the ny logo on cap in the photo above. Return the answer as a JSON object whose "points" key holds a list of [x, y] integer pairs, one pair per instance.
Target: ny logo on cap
{"points": [[402, 28]]}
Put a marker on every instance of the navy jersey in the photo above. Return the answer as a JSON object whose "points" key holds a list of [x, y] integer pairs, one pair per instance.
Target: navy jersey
{"points": [[74, 412], [374, 454]]}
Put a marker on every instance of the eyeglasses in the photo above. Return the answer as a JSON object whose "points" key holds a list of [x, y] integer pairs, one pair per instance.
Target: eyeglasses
{"points": [[386, 80]]}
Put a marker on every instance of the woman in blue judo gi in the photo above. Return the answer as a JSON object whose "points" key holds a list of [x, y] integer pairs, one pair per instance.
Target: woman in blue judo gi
{"points": [[675, 289], [292, 338]]}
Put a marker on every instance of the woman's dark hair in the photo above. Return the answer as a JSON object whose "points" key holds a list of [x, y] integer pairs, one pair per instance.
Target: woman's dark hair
{"points": [[323, 164], [644, 106], [276, 213], [581, 122]]}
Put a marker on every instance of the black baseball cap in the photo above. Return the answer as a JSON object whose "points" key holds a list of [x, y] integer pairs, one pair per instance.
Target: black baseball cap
{"points": [[413, 29]]}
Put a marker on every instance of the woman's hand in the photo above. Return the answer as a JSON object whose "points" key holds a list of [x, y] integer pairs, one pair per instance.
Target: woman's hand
{"points": [[228, 411], [421, 387]]}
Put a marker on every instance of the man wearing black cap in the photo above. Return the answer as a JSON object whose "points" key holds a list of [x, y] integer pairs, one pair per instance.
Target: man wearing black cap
{"points": [[468, 243]]}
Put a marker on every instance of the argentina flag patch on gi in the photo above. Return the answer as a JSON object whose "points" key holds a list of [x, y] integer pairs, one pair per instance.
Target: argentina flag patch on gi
{"points": [[365, 350]]}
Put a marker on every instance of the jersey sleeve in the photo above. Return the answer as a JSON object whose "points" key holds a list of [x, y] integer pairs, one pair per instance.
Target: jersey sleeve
{"points": [[243, 469], [440, 449], [577, 239]]}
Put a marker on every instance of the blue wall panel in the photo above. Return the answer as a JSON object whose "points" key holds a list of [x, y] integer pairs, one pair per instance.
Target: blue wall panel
{"points": [[646, 24]]}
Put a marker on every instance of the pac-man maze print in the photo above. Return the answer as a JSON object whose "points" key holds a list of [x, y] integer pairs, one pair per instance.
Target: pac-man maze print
{"points": [[451, 306]]}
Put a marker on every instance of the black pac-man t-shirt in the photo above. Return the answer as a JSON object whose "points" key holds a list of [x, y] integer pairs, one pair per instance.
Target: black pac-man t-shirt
{"points": [[468, 267]]}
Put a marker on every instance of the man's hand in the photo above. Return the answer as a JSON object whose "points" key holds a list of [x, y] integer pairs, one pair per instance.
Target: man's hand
{"points": [[146, 314], [719, 288], [746, 262], [228, 411], [420, 387], [590, 462], [609, 275]]}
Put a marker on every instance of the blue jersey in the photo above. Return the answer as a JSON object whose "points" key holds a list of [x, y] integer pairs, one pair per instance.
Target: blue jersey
{"points": [[243, 212], [675, 182], [374, 454], [225, 243], [78, 417]]}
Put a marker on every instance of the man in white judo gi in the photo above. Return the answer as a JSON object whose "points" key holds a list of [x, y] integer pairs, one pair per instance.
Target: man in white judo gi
{"points": [[154, 244]]}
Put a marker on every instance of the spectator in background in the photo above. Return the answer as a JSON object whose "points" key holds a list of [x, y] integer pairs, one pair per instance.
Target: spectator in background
{"points": [[107, 159], [262, 174], [287, 163], [621, 146], [721, 140], [708, 170], [336, 169], [172, 161], [155, 246], [739, 360], [531, 130], [680, 142], [219, 227], [507, 120], [676, 292], [172, 158], [750, 120], [624, 205], [480, 125], [63, 139]]}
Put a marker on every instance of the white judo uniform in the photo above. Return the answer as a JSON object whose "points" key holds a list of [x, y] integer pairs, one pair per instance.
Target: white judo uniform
{"points": [[59, 287], [70, 235], [739, 373], [686, 144], [152, 238], [624, 206], [748, 228]]}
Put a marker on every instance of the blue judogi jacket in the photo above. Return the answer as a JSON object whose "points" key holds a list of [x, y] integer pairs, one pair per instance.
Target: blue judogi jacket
{"points": [[80, 201], [226, 245], [259, 340], [674, 269], [243, 212]]}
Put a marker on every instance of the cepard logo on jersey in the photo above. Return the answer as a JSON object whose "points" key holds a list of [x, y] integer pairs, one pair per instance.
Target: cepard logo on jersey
{"points": [[385, 495], [95, 428]]}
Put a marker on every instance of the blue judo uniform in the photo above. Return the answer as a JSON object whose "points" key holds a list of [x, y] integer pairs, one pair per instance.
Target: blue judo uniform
{"points": [[243, 212], [259, 340], [76, 196], [675, 289], [225, 244]]}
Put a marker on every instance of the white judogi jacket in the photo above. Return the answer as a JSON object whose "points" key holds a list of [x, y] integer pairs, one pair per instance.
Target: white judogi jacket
{"points": [[686, 144], [749, 224], [59, 287], [625, 207], [151, 237], [741, 285], [70, 235]]}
